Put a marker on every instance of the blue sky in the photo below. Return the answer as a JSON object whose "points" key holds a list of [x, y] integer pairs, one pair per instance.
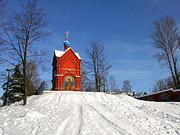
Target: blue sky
{"points": [[122, 26]]}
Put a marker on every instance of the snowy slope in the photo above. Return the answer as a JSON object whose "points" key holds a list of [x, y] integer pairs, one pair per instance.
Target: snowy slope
{"points": [[74, 113]]}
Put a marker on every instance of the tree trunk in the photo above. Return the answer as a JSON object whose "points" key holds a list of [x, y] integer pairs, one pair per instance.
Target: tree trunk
{"points": [[97, 82], [104, 86], [95, 74], [175, 70], [24, 78], [5, 99], [171, 69]]}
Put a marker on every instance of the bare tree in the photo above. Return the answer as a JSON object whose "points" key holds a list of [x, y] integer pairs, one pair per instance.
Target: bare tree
{"points": [[112, 84], [21, 30], [165, 38], [164, 84], [32, 78], [97, 65], [126, 86], [2, 6], [86, 82], [160, 85]]}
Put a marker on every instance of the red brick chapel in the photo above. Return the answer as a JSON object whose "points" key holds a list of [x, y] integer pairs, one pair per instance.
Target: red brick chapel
{"points": [[66, 68]]}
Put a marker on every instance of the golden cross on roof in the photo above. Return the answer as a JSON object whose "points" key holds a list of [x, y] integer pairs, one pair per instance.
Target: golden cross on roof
{"points": [[66, 35]]}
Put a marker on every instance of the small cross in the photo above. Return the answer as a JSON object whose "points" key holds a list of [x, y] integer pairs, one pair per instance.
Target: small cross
{"points": [[67, 35]]}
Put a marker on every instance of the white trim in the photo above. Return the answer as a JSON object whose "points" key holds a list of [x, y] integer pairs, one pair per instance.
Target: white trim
{"points": [[58, 75], [70, 69]]}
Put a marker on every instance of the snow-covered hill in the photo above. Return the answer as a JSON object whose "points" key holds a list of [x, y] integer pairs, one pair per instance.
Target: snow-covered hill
{"points": [[74, 113]]}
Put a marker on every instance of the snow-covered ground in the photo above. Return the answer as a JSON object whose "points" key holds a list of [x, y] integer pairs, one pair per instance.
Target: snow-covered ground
{"points": [[74, 113]]}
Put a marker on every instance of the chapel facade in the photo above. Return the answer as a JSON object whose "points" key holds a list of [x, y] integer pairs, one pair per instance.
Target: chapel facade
{"points": [[66, 74]]}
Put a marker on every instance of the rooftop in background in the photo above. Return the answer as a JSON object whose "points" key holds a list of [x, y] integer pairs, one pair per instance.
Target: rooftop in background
{"points": [[163, 95]]}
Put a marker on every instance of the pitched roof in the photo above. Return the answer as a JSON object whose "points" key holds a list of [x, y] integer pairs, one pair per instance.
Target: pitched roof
{"points": [[162, 91], [59, 53]]}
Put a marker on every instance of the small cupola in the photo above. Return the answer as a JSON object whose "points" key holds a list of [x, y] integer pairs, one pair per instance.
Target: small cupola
{"points": [[66, 42]]}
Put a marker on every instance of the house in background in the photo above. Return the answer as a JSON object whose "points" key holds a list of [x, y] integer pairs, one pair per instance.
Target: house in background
{"points": [[140, 94], [162, 96]]}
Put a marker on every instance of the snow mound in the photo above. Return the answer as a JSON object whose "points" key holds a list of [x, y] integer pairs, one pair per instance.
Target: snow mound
{"points": [[75, 113]]}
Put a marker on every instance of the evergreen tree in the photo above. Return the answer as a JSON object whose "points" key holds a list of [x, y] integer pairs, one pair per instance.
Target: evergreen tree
{"points": [[42, 87], [13, 87]]}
